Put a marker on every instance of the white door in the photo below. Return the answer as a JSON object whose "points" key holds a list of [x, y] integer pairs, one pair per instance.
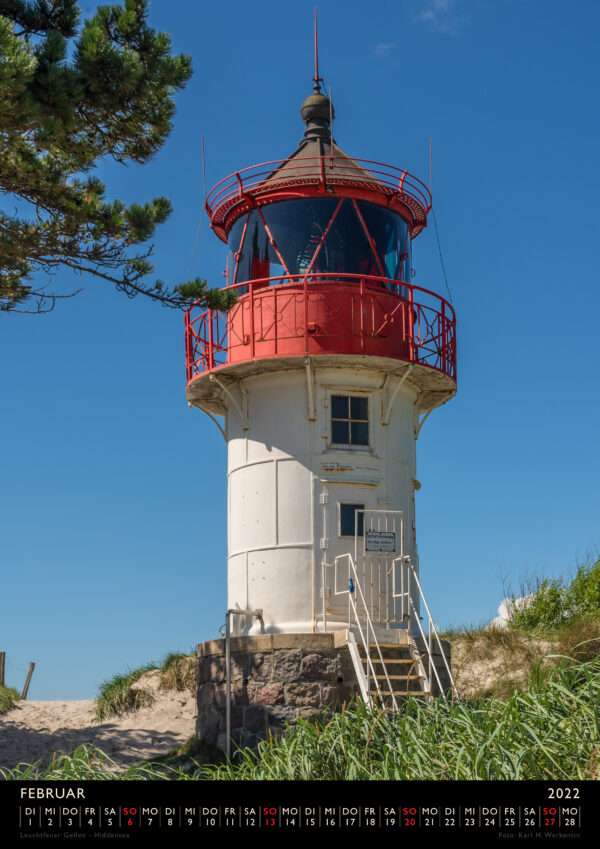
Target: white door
{"points": [[370, 538], [378, 549]]}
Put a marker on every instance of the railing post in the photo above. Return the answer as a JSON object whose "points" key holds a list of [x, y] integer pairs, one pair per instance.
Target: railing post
{"points": [[362, 315], [411, 324], [323, 595], [275, 319], [443, 332], [211, 341], [430, 647], [188, 347], [408, 595], [252, 339], [305, 316]]}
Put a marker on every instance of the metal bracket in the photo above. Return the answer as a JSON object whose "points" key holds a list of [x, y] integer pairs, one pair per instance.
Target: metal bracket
{"points": [[422, 421], [222, 429], [386, 408], [242, 409], [310, 390]]}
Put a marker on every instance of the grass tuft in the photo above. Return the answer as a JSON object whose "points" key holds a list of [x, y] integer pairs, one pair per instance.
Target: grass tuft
{"points": [[178, 672], [556, 602], [8, 696], [118, 696]]}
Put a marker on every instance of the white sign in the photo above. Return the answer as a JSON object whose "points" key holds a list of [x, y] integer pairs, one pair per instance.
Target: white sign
{"points": [[380, 541]]}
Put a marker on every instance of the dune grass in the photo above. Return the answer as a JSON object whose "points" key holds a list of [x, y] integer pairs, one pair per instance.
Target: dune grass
{"points": [[8, 696], [550, 731], [178, 672], [556, 603], [118, 695]]}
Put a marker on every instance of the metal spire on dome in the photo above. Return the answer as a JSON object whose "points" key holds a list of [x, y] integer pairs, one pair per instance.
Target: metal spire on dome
{"points": [[317, 80], [317, 110]]}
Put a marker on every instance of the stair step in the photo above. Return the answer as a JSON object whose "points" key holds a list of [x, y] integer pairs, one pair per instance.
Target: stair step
{"points": [[406, 685], [403, 653], [400, 677], [397, 693]]}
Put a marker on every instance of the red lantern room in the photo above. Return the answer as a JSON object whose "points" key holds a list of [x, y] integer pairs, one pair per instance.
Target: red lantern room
{"points": [[321, 261]]}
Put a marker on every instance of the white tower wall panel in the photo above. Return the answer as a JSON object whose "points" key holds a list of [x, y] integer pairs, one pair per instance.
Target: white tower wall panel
{"points": [[287, 485]]}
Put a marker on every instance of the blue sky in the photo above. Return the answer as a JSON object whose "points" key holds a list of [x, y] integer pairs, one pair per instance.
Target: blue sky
{"points": [[113, 492]]}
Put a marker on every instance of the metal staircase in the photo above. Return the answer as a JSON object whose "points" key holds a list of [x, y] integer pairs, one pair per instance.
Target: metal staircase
{"points": [[392, 665], [400, 666]]}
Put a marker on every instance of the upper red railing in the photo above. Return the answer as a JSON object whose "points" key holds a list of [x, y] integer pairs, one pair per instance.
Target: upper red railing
{"points": [[287, 178], [323, 314]]}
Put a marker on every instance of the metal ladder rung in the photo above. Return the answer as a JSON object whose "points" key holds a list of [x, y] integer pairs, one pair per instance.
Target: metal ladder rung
{"points": [[403, 678], [387, 662]]}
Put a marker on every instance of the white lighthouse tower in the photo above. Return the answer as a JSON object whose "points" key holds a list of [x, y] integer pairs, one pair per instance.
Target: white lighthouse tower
{"points": [[322, 372]]}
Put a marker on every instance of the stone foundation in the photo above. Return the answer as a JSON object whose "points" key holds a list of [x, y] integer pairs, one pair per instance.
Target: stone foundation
{"points": [[276, 678]]}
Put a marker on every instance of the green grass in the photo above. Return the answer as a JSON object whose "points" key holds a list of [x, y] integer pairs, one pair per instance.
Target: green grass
{"points": [[557, 602], [562, 618], [178, 672], [116, 697], [8, 696], [550, 731]]}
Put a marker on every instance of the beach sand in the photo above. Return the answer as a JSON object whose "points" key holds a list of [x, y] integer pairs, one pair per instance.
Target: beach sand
{"points": [[34, 730]]}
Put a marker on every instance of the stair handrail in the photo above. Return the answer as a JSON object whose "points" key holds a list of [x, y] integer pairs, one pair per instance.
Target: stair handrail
{"points": [[361, 677], [407, 603], [354, 587]]}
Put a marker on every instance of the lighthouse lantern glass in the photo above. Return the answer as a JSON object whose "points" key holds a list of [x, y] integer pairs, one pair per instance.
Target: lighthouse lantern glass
{"points": [[320, 235]]}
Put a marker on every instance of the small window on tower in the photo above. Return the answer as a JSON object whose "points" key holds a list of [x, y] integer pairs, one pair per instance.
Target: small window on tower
{"points": [[350, 520], [349, 420]]}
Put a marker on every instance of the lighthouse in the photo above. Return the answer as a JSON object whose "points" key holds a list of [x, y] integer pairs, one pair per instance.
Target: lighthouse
{"points": [[319, 378]]}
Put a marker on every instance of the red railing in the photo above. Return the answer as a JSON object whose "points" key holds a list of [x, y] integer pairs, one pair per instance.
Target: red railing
{"points": [[320, 314], [323, 171]]}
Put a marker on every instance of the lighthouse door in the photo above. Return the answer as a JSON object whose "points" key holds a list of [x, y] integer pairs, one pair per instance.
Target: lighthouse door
{"points": [[373, 540], [378, 547]]}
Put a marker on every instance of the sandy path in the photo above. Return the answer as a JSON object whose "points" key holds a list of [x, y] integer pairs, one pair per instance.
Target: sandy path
{"points": [[33, 730]]}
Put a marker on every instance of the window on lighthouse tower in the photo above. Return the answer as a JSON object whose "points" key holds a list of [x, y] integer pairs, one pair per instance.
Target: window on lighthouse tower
{"points": [[349, 420], [351, 520]]}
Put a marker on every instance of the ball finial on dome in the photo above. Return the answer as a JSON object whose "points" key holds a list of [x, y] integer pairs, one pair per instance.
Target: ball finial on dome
{"points": [[317, 108]]}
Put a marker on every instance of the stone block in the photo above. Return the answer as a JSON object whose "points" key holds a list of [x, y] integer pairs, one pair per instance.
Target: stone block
{"points": [[286, 664], [206, 696], [266, 694], [261, 666], [279, 715], [208, 724], [320, 666], [303, 642], [255, 719], [303, 694], [309, 713], [335, 695]]}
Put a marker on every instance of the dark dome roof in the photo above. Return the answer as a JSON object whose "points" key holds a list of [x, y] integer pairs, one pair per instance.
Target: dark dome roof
{"points": [[316, 107]]}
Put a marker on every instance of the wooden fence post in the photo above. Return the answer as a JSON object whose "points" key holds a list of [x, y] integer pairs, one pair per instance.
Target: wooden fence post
{"points": [[25, 689], [2, 667]]}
